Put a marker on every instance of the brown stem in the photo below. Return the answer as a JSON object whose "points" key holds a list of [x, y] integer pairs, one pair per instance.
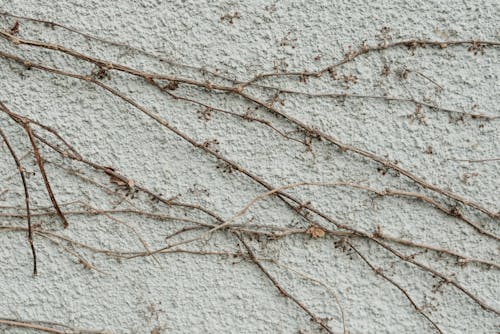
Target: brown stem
{"points": [[380, 273], [25, 123], [282, 291], [26, 197]]}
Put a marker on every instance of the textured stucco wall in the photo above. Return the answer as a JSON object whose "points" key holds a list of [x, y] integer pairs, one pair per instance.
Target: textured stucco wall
{"points": [[199, 294]]}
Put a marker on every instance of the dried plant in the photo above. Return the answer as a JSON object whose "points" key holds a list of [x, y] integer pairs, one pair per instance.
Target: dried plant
{"points": [[196, 223]]}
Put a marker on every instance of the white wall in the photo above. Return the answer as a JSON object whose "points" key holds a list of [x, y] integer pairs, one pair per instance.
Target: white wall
{"points": [[185, 293]]}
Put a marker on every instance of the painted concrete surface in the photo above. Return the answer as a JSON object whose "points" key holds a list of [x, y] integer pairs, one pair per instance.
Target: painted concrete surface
{"points": [[185, 293]]}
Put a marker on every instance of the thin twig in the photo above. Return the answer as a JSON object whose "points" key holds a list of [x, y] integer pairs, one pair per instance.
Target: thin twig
{"points": [[282, 291], [26, 197]]}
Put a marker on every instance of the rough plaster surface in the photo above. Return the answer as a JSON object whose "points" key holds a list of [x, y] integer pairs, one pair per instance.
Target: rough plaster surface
{"points": [[197, 294]]}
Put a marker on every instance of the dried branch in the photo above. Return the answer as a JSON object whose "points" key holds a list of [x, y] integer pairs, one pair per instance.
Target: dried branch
{"points": [[214, 222], [26, 197], [25, 123], [282, 291]]}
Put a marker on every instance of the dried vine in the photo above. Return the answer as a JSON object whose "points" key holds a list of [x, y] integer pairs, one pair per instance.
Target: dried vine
{"points": [[317, 224]]}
